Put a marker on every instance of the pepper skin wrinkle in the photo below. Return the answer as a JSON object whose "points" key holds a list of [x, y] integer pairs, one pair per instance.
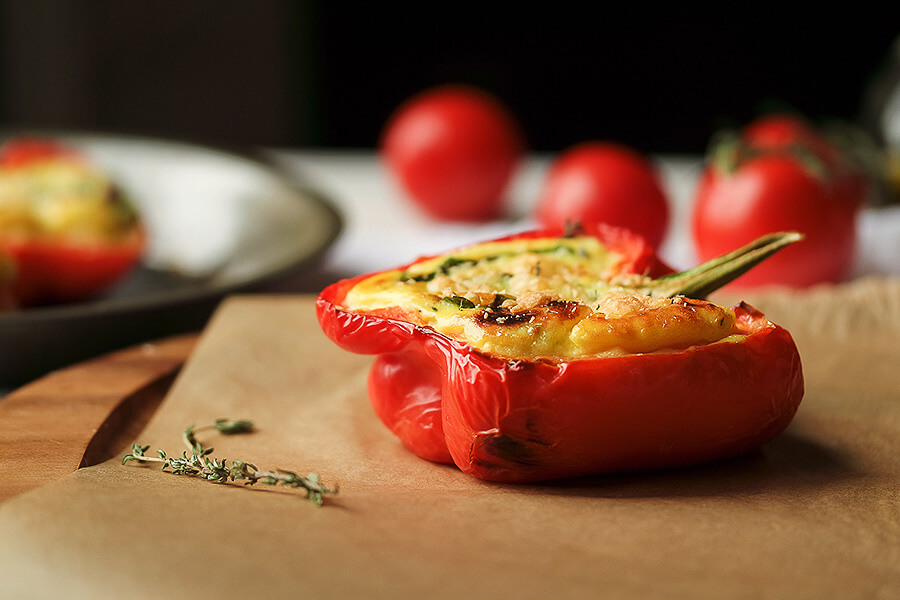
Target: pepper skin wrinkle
{"points": [[516, 376]]}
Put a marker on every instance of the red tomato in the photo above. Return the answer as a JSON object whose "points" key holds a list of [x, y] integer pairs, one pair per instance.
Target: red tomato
{"points": [[776, 192], [781, 130], [792, 133], [453, 149], [599, 182]]}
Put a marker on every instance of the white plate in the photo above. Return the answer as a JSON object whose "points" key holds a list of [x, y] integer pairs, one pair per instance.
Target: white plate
{"points": [[218, 223]]}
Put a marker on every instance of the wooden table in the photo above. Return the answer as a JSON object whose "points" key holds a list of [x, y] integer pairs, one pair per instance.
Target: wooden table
{"points": [[83, 414]]}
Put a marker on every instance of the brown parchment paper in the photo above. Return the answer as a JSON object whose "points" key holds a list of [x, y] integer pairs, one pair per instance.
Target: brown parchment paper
{"points": [[814, 514]]}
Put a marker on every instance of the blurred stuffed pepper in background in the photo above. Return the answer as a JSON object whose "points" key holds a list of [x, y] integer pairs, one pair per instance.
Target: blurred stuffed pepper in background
{"points": [[66, 228]]}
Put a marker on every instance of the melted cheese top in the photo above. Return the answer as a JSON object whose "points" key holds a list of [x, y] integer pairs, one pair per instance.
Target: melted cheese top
{"points": [[547, 298], [62, 198]]}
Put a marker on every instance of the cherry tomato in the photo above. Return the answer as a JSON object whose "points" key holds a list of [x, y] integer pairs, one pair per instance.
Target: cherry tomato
{"points": [[772, 190], [783, 130], [789, 132], [601, 182], [453, 149]]}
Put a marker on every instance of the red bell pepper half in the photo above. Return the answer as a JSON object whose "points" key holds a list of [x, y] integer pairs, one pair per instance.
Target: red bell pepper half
{"points": [[62, 271], [66, 228], [511, 419]]}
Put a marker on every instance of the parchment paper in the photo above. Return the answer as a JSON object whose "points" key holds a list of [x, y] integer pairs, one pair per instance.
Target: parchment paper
{"points": [[814, 514]]}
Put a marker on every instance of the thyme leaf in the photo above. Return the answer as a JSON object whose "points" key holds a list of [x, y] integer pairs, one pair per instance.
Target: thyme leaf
{"points": [[459, 301], [201, 464]]}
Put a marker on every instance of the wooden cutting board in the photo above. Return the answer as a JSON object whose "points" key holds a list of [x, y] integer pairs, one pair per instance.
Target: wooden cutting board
{"points": [[84, 414]]}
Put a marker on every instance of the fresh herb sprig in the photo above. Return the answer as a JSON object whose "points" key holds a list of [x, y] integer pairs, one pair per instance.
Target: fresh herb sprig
{"points": [[201, 464], [714, 274]]}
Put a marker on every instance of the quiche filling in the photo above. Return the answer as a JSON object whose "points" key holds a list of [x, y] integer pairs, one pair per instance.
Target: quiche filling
{"points": [[62, 199], [544, 298]]}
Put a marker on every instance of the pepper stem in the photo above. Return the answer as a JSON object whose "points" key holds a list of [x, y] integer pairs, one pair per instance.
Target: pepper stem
{"points": [[704, 279]]}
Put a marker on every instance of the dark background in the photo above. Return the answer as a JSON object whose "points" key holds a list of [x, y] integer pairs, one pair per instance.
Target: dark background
{"points": [[328, 74]]}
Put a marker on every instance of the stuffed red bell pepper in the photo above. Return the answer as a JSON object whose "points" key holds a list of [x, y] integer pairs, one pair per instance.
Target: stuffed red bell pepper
{"points": [[67, 228], [554, 354]]}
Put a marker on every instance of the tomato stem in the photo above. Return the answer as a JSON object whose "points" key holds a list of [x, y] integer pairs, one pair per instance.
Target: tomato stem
{"points": [[706, 278]]}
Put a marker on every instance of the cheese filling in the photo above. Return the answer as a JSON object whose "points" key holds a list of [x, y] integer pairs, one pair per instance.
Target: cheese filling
{"points": [[62, 198], [547, 298]]}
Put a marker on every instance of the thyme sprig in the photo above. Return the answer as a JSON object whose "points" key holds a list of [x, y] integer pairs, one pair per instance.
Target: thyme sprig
{"points": [[201, 464]]}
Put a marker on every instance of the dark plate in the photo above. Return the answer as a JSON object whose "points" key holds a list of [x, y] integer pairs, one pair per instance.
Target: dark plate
{"points": [[218, 222]]}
